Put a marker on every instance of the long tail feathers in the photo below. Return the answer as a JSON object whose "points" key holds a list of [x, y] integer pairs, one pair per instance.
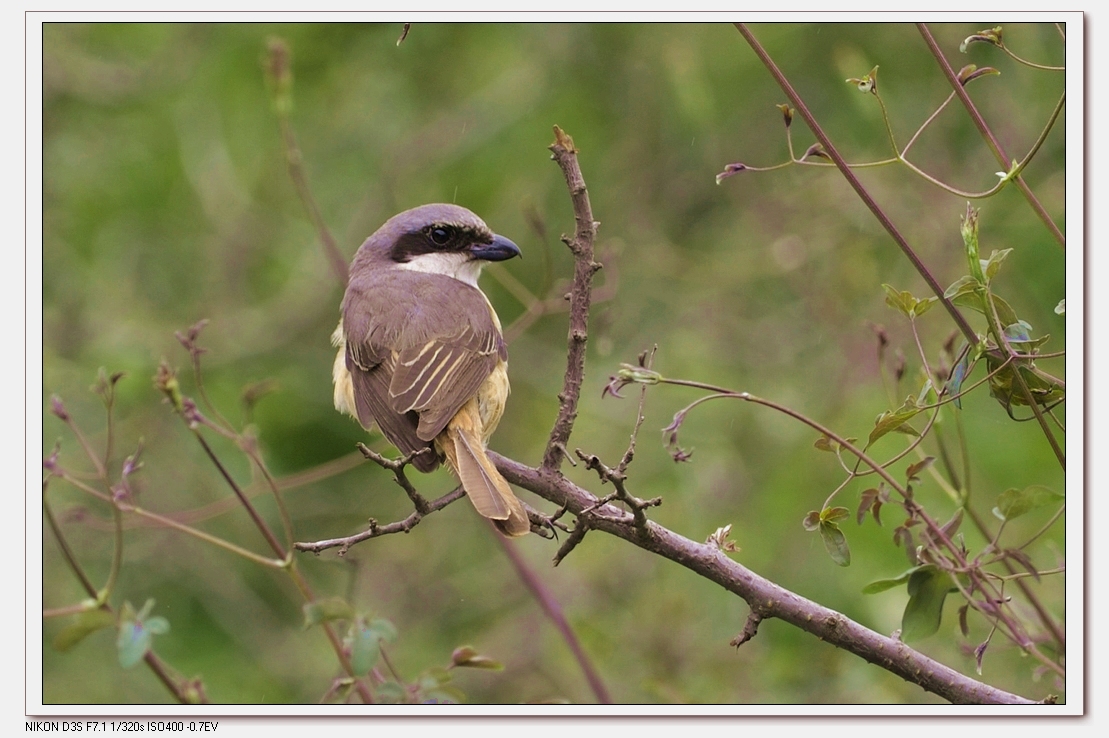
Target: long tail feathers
{"points": [[484, 485]]}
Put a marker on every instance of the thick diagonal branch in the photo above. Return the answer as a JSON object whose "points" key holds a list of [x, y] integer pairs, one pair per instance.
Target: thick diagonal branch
{"points": [[764, 597]]}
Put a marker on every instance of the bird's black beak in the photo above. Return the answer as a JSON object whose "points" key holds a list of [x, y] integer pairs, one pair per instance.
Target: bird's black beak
{"points": [[499, 250]]}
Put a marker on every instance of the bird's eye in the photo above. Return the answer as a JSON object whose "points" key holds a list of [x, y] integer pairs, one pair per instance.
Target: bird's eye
{"points": [[440, 236]]}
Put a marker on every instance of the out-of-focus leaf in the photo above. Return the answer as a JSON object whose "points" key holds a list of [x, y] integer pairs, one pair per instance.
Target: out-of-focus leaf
{"points": [[85, 625], [390, 693], [824, 443], [952, 526], [157, 625], [914, 470], [1024, 560], [958, 374], [434, 677], [326, 610], [444, 696], [364, 648], [896, 420], [385, 629], [906, 303], [132, 643], [466, 656], [881, 585], [990, 36], [961, 287], [836, 543], [1013, 502], [992, 264], [928, 588], [1019, 332]]}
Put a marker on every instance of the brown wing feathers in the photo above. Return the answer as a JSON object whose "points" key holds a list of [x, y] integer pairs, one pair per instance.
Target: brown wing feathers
{"points": [[413, 381], [422, 355]]}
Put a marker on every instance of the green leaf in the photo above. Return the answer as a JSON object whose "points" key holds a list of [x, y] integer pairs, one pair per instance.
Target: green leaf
{"points": [[390, 693], [952, 526], [900, 300], [323, 611], [965, 292], [1008, 392], [364, 648], [157, 625], [824, 443], [434, 677], [1019, 332], [928, 588], [834, 514], [1005, 312], [385, 630], [471, 659], [958, 374], [1012, 503], [991, 265], [147, 608], [906, 303], [444, 696], [924, 305], [962, 287], [989, 36], [972, 72], [888, 422], [85, 625], [1031, 345], [463, 654], [132, 643], [836, 543], [881, 585]]}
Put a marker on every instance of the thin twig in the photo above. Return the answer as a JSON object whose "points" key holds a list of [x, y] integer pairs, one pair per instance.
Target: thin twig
{"points": [[987, 134], [161, 670], [375, 530], [862, 192], [566, 156]]}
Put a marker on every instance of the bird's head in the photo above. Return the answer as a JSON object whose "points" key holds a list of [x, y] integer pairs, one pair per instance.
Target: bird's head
{"points": [[437, 239]]}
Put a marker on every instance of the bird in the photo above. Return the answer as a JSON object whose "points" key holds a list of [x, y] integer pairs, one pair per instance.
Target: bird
{"points": [[421, 354]]}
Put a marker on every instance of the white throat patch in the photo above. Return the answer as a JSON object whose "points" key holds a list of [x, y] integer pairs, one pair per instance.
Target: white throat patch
{"points": [[457, 265]]}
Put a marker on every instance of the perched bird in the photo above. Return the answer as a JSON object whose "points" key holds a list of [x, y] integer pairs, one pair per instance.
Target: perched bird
{"points": [[421, 353]]}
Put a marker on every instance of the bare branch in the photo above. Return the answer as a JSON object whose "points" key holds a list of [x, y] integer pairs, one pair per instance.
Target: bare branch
{"points": [[566, 156], [765, 597], [375, 530], [750, 629]]}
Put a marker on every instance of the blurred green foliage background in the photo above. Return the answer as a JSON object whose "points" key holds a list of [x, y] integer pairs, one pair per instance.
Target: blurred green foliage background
{"points": [[167, 200]]}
